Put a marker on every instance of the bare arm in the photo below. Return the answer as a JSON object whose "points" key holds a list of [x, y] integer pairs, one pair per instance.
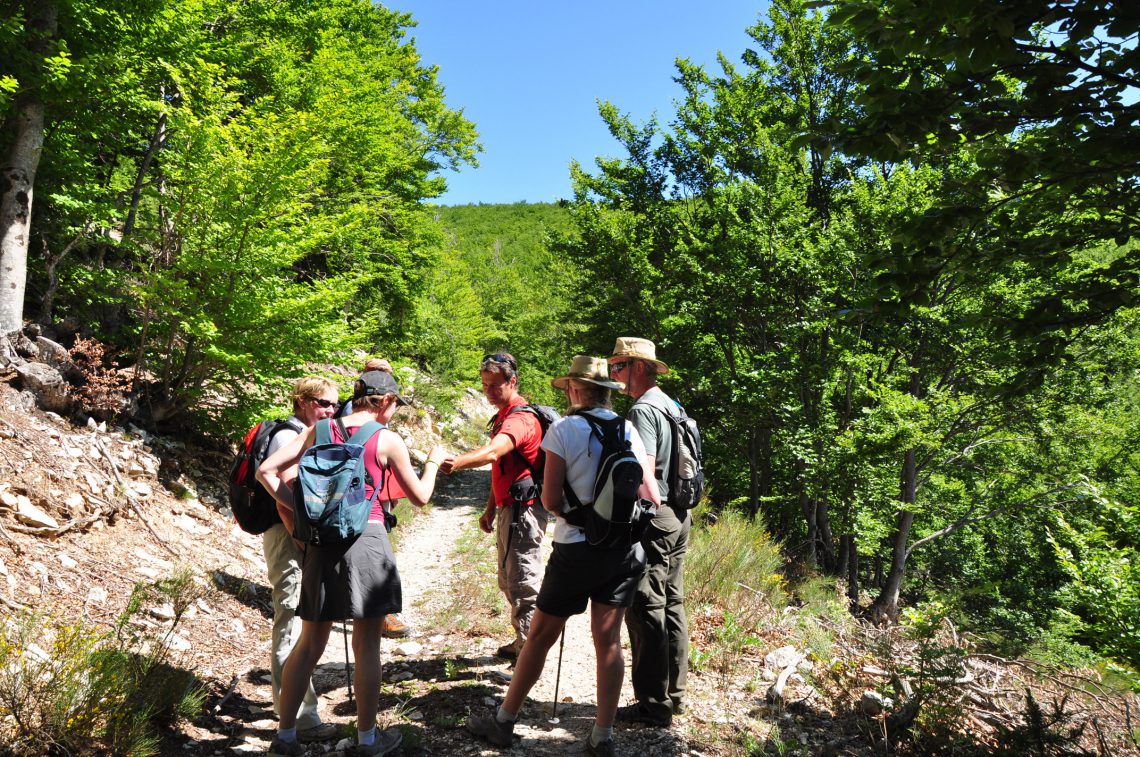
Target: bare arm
{"points": [[278, 470], [392, 453], [500, 445], [649, 488], [553, 479]]}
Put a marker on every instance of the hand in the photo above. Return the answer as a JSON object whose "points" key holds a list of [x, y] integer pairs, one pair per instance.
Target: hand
{"points": [[448, 464], [487, 521], [437, 454]]}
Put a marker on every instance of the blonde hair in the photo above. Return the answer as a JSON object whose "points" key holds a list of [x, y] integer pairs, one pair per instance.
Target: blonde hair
{"points": [[311, 388], [591, 395], [377, 364]]}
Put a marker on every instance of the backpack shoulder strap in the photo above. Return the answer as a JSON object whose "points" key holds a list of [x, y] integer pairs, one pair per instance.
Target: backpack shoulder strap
{"points": [[324, 432], [366, 432]]}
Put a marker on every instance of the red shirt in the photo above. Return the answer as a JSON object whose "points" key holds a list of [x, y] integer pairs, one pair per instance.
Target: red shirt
{"points": [[524, 431]]}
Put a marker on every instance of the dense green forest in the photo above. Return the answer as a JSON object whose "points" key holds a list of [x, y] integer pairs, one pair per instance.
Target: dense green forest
{"points": [[889, 256]]}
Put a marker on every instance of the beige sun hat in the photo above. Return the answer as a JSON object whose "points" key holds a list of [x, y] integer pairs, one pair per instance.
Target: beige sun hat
{"points": [[593, 370], [639, 349]]}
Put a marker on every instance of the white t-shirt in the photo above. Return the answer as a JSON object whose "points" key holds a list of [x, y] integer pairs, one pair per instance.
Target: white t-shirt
{"points": [[568, 438]]}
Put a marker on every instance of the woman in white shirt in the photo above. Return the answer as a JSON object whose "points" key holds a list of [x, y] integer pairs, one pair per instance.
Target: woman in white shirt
{"points": [[578, 574]]}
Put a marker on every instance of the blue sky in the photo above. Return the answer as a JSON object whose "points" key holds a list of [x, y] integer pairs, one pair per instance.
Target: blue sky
{"points": [[529, 75]]}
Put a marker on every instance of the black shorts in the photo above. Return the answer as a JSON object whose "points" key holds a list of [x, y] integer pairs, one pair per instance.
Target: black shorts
{"points": [[578, 573]]}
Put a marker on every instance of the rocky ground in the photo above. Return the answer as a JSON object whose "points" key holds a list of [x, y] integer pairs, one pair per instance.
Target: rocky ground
{"points": [[86, 512]]}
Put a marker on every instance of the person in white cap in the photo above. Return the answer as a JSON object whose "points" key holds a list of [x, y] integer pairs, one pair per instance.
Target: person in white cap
{"points": [[658, 627]]}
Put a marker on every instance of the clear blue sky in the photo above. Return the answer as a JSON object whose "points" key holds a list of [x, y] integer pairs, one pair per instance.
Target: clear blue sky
{"points": [[529, 75]]}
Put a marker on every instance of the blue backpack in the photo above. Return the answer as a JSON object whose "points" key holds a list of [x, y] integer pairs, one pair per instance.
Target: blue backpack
{"points": [[329, 506]]}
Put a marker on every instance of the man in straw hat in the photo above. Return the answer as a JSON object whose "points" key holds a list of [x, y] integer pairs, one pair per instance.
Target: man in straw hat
{"points": [[511, 513], [579, 574], [658, 627]]}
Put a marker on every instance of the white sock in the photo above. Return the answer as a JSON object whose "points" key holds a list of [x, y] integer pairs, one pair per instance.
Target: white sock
{"points": [[599, 734], [366, 738], [287, 734], [505, 717]]}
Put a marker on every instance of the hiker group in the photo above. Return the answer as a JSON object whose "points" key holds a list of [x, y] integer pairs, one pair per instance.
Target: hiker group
{"points": [[619, 491]]}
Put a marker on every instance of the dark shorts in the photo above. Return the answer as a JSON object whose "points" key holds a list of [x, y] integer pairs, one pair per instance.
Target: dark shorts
{"points": [[578, 573], [351, 581]]}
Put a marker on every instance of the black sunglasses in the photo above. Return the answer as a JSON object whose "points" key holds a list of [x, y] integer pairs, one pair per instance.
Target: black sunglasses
{"points": [[615, 367], [325, 403]]}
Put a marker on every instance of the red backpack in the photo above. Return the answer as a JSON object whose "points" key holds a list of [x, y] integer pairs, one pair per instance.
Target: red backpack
{"points": [[253, 507]]}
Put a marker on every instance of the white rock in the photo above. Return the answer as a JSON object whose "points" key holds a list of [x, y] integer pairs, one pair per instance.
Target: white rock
{"points": [[37, 568], [8, 499], [67, 561], [178, 643], [75, 501], [163, 611], [403, 675], [3, 567], [416, 715], [873, 704], [74, 452], [204, 606], [778, 659], [97, 595], [191, 526], [141, 489], [28, 513], [144, 570], [142, 554], [408, 648]]}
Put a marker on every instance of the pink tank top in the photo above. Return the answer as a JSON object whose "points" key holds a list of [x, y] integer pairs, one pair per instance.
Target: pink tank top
{"points": [[376, 474]]}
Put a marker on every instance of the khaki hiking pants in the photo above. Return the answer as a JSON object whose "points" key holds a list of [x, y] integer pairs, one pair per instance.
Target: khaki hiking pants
{"points": [[520, 574], [283, 559]]}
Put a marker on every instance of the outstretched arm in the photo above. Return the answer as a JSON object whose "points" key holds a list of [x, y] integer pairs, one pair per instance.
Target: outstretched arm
{"points": [[393, 451], [500, 445]]}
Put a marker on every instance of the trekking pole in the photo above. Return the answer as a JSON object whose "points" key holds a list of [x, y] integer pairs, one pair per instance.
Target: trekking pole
{"points": [[558, 675], [347, 670]]}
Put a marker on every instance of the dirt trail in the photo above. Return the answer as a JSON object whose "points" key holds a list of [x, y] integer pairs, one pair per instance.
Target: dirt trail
{"points": [[426, 565]]}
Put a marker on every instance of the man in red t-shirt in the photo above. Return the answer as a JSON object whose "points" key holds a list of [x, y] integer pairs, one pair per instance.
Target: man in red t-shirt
{"points": [[513, 512]]}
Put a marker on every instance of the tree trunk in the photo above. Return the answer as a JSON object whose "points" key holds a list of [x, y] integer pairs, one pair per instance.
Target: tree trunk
{"points": [[853, 573], [18, 174]]}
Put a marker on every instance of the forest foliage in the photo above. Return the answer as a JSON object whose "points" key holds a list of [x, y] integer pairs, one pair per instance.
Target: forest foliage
{"points": [[888, 254]]}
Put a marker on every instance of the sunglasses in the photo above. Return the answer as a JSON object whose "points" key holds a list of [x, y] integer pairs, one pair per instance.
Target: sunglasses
{"points": [[615, 367], [499, 357], [325, 403]]}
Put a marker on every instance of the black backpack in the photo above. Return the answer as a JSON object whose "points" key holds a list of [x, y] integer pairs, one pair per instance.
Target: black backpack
{"points": [[253, 507], [685, 474], [546, 417], [616, 516]]}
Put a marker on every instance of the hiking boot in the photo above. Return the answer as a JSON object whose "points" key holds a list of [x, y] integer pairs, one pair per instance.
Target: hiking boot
{"points": [[488, 727], [639, 713], [678, 708], [318, 732], [605, 748], [394, 627], [508, 652], [281, 748], [385, 742]]}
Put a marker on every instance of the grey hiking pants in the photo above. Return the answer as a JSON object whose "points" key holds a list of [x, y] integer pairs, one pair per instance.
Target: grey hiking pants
{"points": [[520, 565], [658, 627]]}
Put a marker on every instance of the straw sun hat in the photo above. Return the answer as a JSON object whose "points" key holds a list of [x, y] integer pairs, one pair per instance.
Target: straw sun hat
{"points": [[593, 370], [638, 349]]}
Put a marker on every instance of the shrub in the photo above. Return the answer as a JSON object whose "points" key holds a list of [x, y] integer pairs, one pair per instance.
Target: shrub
{"points": [[734, 565], [67, 685]]}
